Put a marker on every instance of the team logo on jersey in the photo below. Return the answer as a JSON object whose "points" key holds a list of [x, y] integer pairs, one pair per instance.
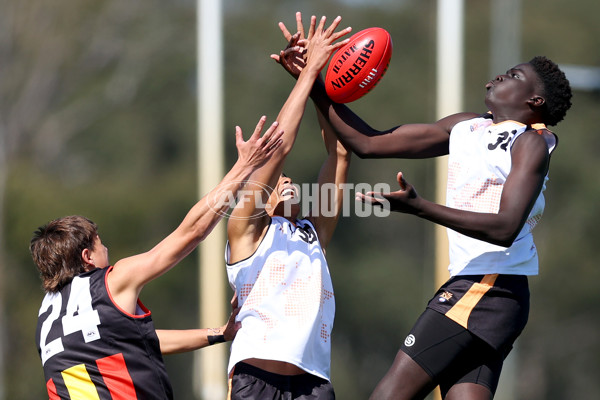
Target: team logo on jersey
{"points": [[307, 234], [410, 340], [444, 297], [478, 125]]}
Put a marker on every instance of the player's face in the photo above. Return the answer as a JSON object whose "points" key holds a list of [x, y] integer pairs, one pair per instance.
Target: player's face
{"points": [[513, 89], [99, 254], [284, 201]]}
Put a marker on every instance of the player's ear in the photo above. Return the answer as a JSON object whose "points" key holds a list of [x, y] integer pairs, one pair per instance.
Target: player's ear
{"points": [[86, 257], [536, 101]]}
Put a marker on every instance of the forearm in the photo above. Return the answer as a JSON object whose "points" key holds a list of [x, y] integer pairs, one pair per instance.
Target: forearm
{"points": [[352, 131], [519, 194], [180, 341], [292, 111], [207, 212], [496, 228], [198, 223], [334, 171], [414, 140]]}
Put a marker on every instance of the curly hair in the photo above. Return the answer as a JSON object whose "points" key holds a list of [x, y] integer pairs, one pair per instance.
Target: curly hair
{"points": [[56, 249], [557, 89]]}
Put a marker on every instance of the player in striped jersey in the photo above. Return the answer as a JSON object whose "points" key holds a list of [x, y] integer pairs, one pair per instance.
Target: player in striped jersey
{"points": [[95, 338]]}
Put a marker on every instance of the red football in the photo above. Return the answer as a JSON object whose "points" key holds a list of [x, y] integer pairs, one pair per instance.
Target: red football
{"points": [[357, 67]]}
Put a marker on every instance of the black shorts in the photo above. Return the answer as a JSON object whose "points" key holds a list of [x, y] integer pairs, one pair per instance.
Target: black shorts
{"points": [[450, 354], [494, 307], [249, 382]]}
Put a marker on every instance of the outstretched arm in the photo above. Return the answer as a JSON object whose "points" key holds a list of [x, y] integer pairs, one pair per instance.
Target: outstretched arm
{"points": [[405, 141], [332, 177], [245, 229], [179, 341], [529, 167], [129, 275]]}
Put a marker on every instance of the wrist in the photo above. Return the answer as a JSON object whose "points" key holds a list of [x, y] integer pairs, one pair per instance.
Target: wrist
{"points": [[311, 72], [418, 206], [214, 336], [216, 339], [242, 169]]}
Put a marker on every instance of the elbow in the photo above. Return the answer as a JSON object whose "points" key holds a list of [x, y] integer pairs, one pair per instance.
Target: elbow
{"points": [[504, 237], [283, 151], [364, 152], [365, 147], [503, 242]]}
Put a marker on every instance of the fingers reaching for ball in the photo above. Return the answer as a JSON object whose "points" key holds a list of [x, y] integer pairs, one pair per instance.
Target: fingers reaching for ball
{"points": [[258, 149], [323, 43]]}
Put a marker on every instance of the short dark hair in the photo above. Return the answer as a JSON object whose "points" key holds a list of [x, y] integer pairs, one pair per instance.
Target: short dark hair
{"points": [[557, 89], [56, 249]]}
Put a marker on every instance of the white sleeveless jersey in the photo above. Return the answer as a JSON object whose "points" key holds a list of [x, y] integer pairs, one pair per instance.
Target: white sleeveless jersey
{"points": [[478, 164], [286, 297]]}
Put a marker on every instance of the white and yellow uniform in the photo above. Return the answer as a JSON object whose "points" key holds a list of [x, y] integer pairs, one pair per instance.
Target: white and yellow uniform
{"points": [[286, 297], [478, 165]]}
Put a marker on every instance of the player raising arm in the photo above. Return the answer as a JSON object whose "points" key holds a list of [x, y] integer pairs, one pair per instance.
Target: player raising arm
{"points": [[498, 164], [275, 260], [95, 338]]}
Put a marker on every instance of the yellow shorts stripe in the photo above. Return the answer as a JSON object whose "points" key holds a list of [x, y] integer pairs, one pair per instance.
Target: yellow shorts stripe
{"points": [[461, 311]]}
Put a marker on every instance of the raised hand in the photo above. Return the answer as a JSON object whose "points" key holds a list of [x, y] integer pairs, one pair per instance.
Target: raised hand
{"points": [[323, 43], [257, 149], [291, 58], [294, 56]]}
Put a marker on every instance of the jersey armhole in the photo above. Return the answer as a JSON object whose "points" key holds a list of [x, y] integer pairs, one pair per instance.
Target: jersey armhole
{"points": [[140, 306], [227, 250]]}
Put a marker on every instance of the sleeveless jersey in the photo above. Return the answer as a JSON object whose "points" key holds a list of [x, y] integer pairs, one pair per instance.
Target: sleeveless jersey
{"points": [[286, 297], [478, 165], [91, 349]]}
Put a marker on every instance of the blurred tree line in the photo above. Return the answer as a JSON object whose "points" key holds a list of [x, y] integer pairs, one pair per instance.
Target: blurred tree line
{"points": [[97, 117]]}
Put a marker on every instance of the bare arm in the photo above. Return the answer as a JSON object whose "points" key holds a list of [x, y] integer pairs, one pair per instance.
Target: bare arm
{"points": [[404, 141], [179, 341], [529, 167], [333, 174], [129, 275], [243, 230]]}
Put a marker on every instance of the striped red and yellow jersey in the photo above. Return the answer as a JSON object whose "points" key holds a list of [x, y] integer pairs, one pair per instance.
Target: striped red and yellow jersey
{"points": [[91, 349]]}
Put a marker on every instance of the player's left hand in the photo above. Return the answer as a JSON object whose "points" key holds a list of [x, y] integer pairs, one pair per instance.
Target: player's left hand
{"points": [[295, 56], [292, 57], [256, 150], [402, 200]]}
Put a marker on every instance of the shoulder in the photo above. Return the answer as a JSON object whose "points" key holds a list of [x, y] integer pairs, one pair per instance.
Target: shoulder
{"points": [[451, 121], [538, 137], [549, 137], [531, 148]]}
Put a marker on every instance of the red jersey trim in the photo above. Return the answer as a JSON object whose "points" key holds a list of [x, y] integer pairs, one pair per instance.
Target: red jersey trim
{"points": [[146, 311]]}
